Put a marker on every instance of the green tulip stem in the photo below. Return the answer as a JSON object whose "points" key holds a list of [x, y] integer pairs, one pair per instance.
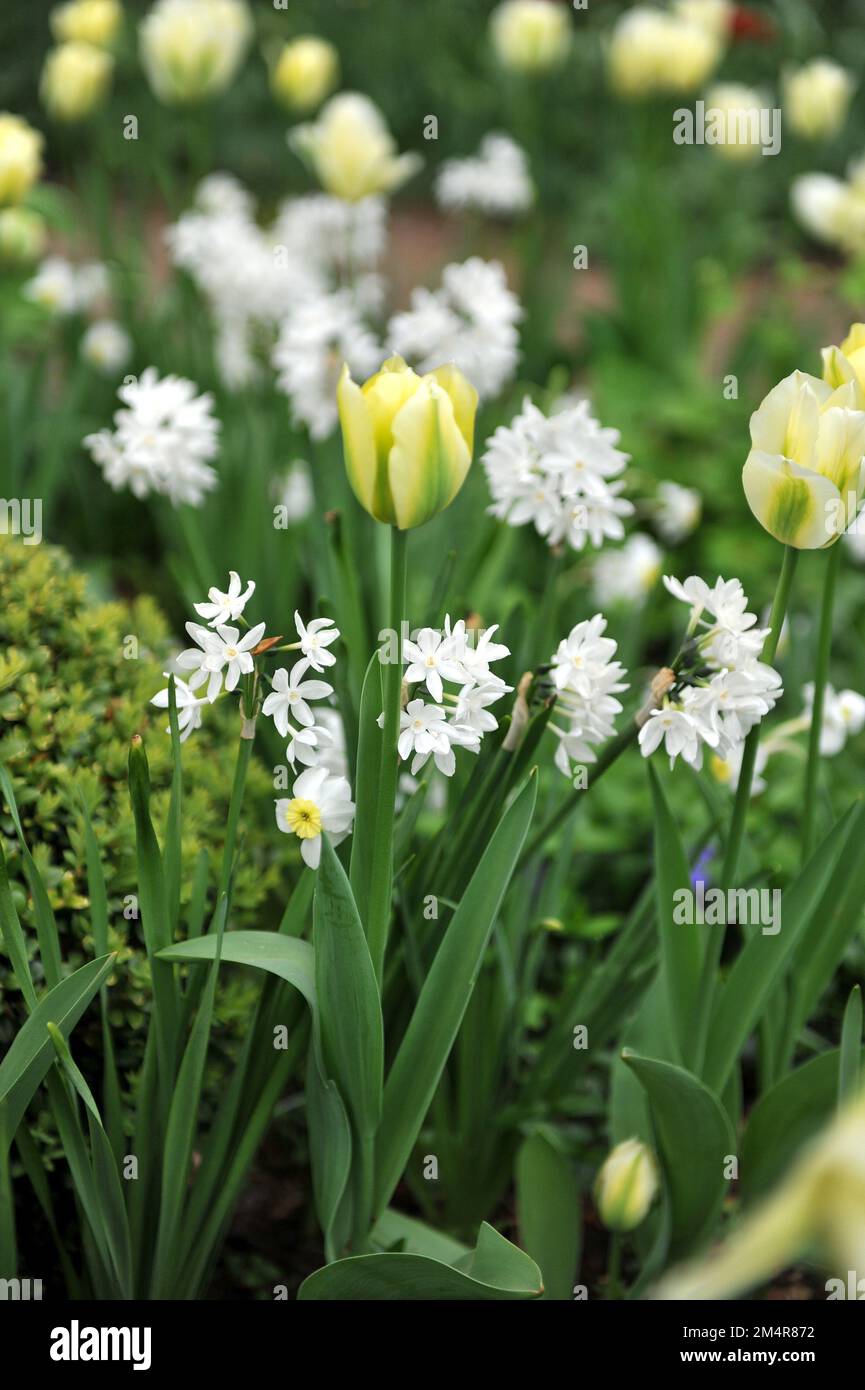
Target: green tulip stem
{"points": [[821, 671], [381, 880], [715, 943]]}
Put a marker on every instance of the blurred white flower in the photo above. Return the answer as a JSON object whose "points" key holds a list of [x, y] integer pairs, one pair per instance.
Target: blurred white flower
{"points": [[319, 802], [314, 343], [586, 680], [54, 286], [315, 638], [470, 321], [496, 180], [106, 346], [726, 769], [189, 706], [816, 97], [677, 511], [226, 607], [627, 574], [92, 284], [161, 441], [223, 195], [843, 717], [820, 203], [290, 696], [294, 491], [556, 473], [340, 243]]}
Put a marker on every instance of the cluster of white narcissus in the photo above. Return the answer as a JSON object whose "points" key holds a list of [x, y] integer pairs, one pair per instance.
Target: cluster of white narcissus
{"points": [[65, 289], [729, 690], [162, 440], [459, 718], [321, 796], [587, 681], [559, 472]]}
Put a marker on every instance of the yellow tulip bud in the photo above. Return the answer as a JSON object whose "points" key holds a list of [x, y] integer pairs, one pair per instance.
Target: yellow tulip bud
{"points": [[739, 123], [804, 478], [816, 98], [626, 1185], [306, 71], [192, 49], [530, 35], [87, 21], [20, 157], [351, 150], [407, 440], [22, 236], [75, 80]]}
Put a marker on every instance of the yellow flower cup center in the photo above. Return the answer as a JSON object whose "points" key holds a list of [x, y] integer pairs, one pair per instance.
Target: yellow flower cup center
{"points": [[304, 818]]}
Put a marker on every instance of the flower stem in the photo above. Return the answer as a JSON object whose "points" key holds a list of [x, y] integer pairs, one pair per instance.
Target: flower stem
{"points": [[381, 878], [821, 671], [715, 943], [241, 767]]}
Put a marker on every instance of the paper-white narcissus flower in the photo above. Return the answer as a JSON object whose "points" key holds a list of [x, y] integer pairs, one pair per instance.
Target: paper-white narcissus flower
{"points": [[315, 638], [319, 802], [225, 607], [220, 654], [290, 695], [106, 346], [189, 706]]}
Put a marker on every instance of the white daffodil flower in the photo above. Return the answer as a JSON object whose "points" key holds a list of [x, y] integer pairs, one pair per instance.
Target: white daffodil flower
{"points": [[189, 706], [315, 638], [219, 651], [226, 607], [430, 658], [319, 801], [290, 695]]}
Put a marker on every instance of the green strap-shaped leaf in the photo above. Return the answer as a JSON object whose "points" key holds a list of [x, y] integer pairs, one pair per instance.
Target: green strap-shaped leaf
{"points": [[31, 1053], [681, 946], [330, 1137], [763, 960], [549, 1214], [494, 1270], [46, 926], [444, 997], [695, 1139], [851, 1048]]}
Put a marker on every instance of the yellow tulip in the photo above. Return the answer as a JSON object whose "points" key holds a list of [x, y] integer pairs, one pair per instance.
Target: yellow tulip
{"points": [[626, 1185], [821, 1203], [653, 51], [306, 71], [407, 440], [75, 80], [22, 236], [351, 150], [740, 120], [87, 21], [530, 35], [804, 477], [20, 157], [816, 98], [192, 49]]}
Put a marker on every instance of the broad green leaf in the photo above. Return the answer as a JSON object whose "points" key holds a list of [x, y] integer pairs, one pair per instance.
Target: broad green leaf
{"points": [[494, 1270], [681, 946], [395, 1230], [851, 1047], [784, 1119], [366, 784], [444, 997], [31, 1052], [763, 959], [549, 1214], [695, 1139]]}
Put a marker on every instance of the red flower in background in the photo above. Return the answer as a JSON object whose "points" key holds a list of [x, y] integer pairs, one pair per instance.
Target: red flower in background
{"points": [[751, 24]]}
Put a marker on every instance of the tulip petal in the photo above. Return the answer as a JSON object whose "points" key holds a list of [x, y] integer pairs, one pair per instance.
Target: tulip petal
{"points": [[793, 504], [788, 419], [464, 399], [361, 463], [429, 459]]}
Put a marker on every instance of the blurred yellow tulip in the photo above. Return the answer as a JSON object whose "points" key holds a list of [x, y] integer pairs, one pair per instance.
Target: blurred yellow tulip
{"points": [[22, 236], [530, 35], [816, 98], [75, 79], [20, 157], [192, 49], [87, 21], [351, 150], [407, 440], [306, 71]]}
